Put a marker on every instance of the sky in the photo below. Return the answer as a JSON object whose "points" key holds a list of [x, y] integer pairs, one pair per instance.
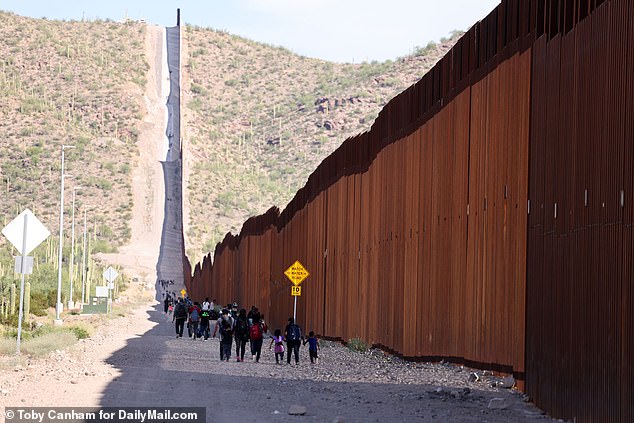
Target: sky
{"points": [[345, 31]]}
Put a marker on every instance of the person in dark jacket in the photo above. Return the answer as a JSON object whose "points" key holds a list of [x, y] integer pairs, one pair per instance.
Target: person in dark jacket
{"points": [[241, 334], [180, 315], [293, 335]]}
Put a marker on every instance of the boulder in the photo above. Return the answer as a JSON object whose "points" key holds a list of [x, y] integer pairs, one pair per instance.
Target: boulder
{"points": [[498, 403], [297, 410]]}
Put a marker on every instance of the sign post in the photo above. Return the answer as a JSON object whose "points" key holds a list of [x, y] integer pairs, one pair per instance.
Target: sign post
{"points": [[296, 274], [110, 275], [24, 238]]}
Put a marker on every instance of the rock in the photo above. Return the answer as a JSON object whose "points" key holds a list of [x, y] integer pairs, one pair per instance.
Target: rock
{"points": [[329, 125], [498, 403], [508, 382], [297, 410], [338, 419], [73, 381], [473, 377]]}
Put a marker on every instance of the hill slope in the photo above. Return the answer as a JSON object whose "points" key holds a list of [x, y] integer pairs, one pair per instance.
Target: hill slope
{"points": [[260, 119], [73, 83]]}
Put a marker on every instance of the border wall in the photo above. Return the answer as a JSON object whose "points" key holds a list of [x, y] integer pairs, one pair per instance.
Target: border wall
{"points": [[172, 265], [486, 218]]}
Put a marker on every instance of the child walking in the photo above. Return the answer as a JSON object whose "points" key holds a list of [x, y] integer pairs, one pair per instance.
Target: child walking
{"points": [[226, 339], [278, 340], [313, 347]]}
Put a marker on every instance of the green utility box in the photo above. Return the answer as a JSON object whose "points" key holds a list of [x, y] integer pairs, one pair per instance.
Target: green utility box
{"points": [[96, 305]]}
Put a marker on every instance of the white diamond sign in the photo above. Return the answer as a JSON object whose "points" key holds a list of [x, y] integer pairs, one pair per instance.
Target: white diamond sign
{"points": [[110, 274], [36, 232]]}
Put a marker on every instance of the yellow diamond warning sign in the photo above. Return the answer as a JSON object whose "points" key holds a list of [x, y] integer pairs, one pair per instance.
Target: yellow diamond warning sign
{"points": [[296, 273]]}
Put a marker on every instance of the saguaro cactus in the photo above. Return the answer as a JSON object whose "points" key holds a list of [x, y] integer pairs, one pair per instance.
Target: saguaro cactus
{"points": [[27, 300], [12, 299]]}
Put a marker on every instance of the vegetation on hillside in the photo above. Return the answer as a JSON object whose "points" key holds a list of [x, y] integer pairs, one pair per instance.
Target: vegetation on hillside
{"points": [[72, 83], [259, 119]]}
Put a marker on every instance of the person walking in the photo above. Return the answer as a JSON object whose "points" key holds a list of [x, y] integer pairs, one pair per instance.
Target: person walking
{"points": [[226, 338], [293, 335], [241, 334], [206, 306], [204, 324], [313, 347], [278, 341], [256, 334], [224, 317], [194, 320], [166, 304], [180, 315]]}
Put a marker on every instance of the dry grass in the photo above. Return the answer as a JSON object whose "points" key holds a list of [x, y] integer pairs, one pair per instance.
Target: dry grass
{"points": [[40, 345], [44, 344]]}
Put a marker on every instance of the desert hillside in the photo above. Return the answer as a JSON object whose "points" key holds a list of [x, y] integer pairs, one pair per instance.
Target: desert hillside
{"points": [[258, 119], [73, 83]]}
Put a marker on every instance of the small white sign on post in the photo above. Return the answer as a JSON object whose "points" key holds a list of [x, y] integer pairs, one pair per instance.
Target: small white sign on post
{"points": [[110, 274], [28, 265], [101, 291], [25, 232]]}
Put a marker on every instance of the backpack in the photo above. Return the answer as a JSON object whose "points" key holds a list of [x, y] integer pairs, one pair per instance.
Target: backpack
{"points": [[225, 331], [255, 332], [214, 315], [180, 311], [294, 333], [194, 315], [241, 328]]}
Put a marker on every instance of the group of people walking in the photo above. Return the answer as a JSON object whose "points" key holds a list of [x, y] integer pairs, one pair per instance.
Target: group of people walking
{"points": [[233, 325]]}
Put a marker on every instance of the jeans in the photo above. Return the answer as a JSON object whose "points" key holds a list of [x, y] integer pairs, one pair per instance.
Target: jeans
{"points": [[180, 323], [256, 348], [226, 350], [241, 345], [292, 347], [193, 329], [279, 357]]}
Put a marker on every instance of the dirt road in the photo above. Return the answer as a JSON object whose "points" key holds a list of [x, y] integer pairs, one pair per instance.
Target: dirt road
{"points": [[139, 257]]}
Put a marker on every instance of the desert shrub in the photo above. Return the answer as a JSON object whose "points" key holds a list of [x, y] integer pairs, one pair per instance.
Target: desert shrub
{"points": [[358, 345], [80, 331], [44, 344]]}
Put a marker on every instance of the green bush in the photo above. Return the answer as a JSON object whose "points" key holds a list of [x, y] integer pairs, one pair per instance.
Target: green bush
{"points": [[80, 332], [358, 345]]}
